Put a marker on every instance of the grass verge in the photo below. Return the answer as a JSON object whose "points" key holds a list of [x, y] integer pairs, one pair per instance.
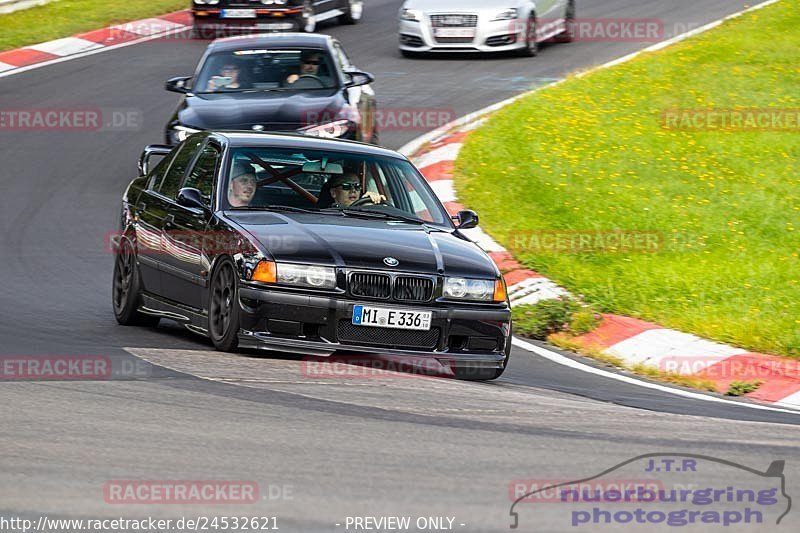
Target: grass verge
{"points": [[64, 18], [593, 158]]}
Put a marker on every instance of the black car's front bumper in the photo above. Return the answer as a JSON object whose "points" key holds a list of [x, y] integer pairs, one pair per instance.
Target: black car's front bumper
{"points": [[460, 335]]}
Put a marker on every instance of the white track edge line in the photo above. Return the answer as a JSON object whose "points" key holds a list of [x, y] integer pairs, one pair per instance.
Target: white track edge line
{"points": [[566, 361]]}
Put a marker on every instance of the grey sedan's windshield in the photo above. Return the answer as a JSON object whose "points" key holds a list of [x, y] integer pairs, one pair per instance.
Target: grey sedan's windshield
{"points": [[330, 182], [263, 70]]}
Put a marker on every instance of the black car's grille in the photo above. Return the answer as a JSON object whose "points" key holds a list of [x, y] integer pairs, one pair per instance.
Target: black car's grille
{"points": [[384, 286], [395, 338], [370, 285], [412, 289], [454, 21]]}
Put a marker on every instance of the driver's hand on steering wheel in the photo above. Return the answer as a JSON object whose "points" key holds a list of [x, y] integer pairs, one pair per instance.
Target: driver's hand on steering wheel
{"points": [[292, 78], [374, 197]]}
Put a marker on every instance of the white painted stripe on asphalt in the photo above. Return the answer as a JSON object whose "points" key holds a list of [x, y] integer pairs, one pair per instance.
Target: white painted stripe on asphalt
{"points": [[571, 363], [444, 190], [792, 401], [6, 66], [653, 346], [483, 240], [149, 27], [448, 152], [66, 46], [534, 291]]}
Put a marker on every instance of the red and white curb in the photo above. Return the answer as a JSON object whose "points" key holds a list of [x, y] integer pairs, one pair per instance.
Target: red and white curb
{"points": [[39, 55], [634, 341]]}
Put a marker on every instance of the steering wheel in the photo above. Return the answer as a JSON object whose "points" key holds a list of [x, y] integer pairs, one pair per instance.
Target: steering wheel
{"points": [[366, 200], [310, 77]]}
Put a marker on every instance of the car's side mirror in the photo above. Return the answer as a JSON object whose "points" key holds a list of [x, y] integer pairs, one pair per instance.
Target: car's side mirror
{"points": [[356, 78], [149, 151], [192, 198], [178, 85], [466, 219]]}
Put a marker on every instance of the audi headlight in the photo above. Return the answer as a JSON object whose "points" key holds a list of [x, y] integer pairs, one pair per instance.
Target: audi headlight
{"points": [[181, 133], [478, 290], [274, 2], [328, 130], [507, 14], [411, 14], [204, 2], [316, 277]]}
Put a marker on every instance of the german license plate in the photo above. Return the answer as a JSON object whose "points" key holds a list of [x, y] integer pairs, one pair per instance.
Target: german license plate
{"points": [[454, 32], [238, 14], [381, 317]]}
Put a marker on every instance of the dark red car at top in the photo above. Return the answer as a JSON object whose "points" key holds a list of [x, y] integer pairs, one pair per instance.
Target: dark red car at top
{"points": [[214, 16]]}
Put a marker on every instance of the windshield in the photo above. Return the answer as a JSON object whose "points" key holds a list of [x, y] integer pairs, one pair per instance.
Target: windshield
{"points": [[330, 182], [264, 70]]}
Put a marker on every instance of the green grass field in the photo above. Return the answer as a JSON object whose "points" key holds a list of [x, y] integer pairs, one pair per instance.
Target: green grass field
{"points": [[594, 154], [64, 18]]}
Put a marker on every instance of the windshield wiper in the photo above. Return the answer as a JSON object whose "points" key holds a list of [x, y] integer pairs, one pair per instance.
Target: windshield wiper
{"points": [[374, 214], [273, 208]]}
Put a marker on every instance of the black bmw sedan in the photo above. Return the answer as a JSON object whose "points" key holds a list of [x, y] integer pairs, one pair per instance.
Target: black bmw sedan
{"points": [[289, 83], [271, 15], [310, 246]]}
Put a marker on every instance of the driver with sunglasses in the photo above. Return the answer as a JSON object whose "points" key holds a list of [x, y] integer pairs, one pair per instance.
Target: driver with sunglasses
{"points": [[346, 189], [310, 60]]}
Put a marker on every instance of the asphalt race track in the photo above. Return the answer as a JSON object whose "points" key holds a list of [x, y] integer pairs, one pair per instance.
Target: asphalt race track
{"points": [[176, 410]]}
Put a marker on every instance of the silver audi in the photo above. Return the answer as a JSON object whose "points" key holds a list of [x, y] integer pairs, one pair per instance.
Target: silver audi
{"points": [[483, 25]]}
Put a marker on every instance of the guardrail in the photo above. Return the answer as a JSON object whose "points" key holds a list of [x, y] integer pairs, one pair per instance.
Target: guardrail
{"points": [[9, 6]]}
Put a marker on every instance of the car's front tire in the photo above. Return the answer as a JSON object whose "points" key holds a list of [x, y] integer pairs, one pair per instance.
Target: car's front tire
{"points": [[354, 12], [531, 47], [223, 308], [568, 35], [126, 289]]}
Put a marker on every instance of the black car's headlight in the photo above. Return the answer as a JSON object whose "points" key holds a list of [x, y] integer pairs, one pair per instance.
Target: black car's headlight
{"points": [[296, 275], [178, 134], [476, 290], [329, 130]]}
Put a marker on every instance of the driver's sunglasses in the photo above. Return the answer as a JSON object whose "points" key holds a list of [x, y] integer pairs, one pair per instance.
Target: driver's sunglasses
{"points": [[311, 62], [350, 186]]}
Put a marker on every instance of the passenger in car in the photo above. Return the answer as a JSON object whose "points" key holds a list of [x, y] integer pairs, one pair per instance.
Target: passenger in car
{"points": [[242, 186], [230, 71]]}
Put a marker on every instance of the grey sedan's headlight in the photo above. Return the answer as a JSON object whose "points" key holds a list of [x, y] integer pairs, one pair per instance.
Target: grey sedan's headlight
{"points": [[481, 290], [411, 14], [328, 130], [181, 133], [507, 14], [316, 277]]}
